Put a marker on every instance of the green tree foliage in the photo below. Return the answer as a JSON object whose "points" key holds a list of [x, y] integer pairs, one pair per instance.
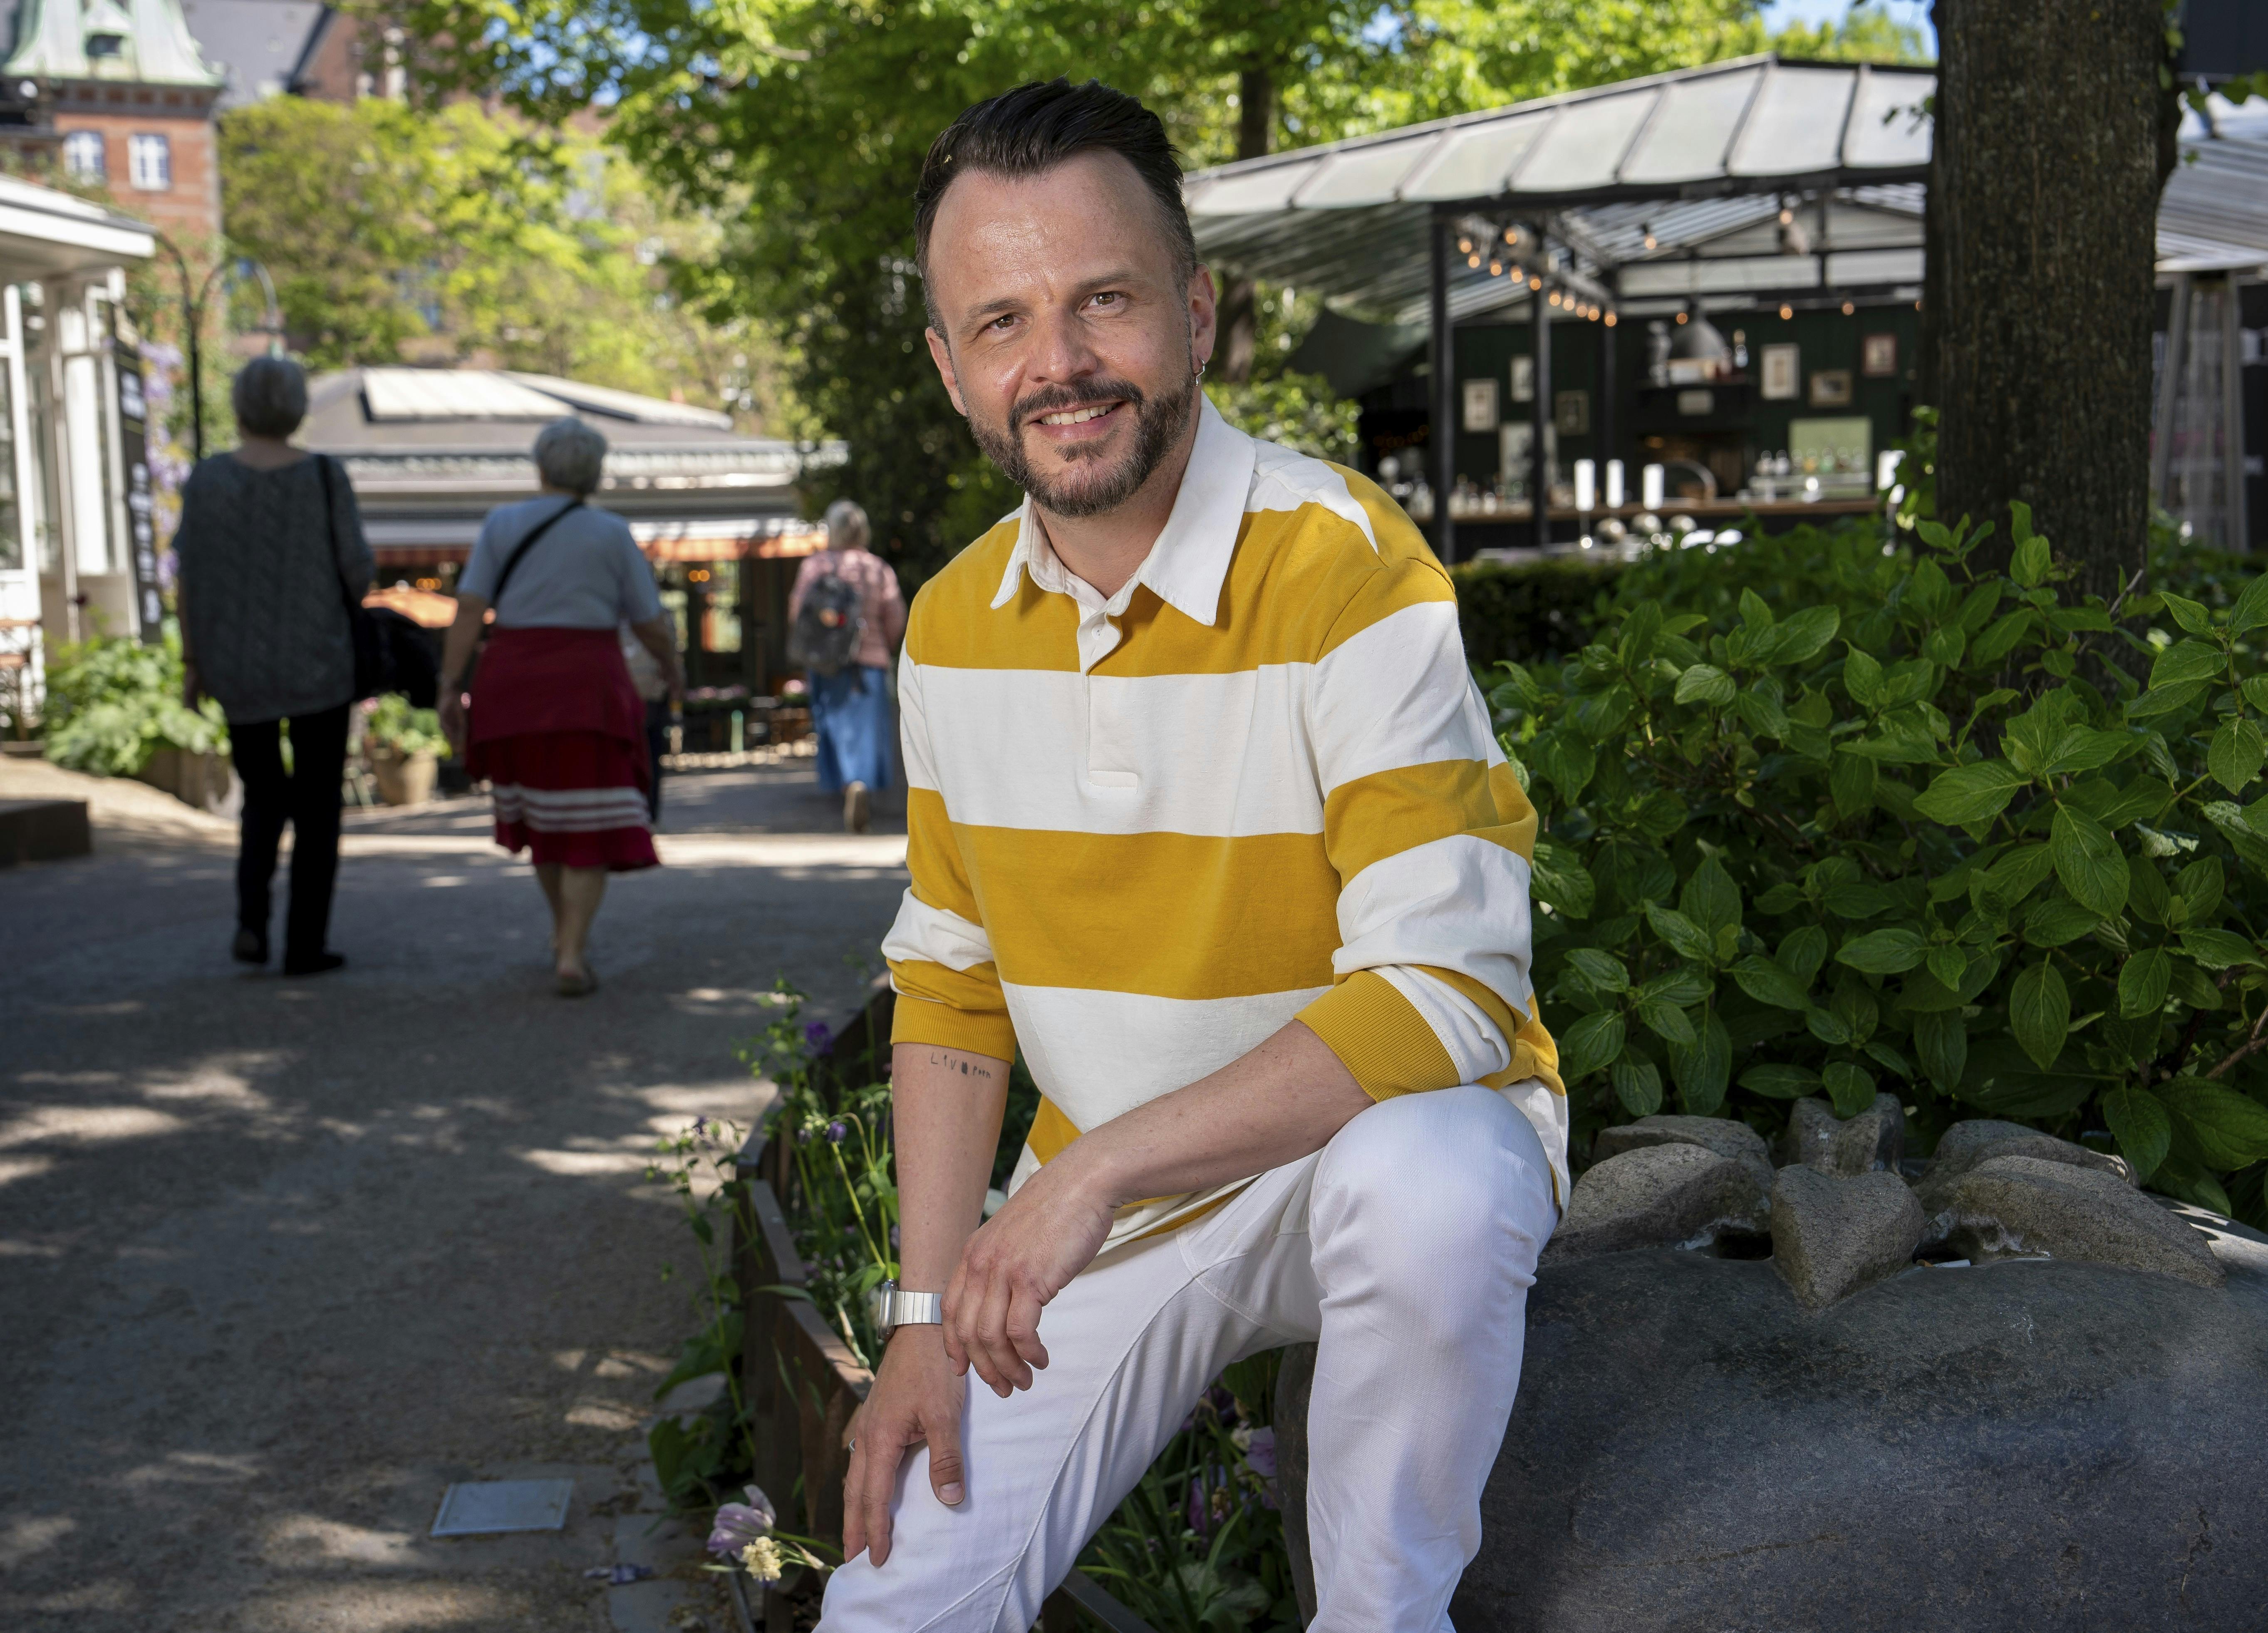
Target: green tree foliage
{"points": [[458, 234], [1899, 840], [799, 126]]}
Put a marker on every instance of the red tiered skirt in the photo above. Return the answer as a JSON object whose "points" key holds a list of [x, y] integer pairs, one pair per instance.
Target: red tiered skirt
{"points": [[559, 732]]}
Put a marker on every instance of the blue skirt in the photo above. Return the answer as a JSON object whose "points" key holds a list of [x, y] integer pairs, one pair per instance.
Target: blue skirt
{"points": [[858, 741]]}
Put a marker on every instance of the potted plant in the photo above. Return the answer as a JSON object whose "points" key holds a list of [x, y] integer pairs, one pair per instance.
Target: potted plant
{"points": [[404, 746], [114, 709]]}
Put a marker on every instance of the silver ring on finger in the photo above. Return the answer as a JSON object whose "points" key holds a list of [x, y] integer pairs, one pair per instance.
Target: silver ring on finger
{"points": [[854, 1443]]}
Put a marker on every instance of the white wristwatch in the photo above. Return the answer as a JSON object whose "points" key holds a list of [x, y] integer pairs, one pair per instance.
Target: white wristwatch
{"points": [[894, 1309]]}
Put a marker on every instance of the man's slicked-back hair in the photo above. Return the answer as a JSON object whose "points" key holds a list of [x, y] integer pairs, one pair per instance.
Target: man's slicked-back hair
{"points": [[1031, 129]]}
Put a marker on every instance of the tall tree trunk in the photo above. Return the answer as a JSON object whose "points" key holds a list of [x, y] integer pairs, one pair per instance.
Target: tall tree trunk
{"points": [[1255, 123], [2054, 138]]}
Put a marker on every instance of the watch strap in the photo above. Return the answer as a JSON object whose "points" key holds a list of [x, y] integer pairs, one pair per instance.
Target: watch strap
{"points": [[904, 1309]]}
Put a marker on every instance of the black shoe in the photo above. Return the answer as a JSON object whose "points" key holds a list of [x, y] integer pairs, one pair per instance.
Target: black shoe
{"points": [[318, 964], [249, 947]]}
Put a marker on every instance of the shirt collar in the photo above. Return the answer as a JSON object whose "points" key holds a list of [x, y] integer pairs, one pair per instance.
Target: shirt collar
{"points": [[1187, 564]]}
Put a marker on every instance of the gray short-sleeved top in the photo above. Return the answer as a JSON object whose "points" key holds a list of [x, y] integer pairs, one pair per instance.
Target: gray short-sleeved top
{"points": [[263, 604], [584, 573]]}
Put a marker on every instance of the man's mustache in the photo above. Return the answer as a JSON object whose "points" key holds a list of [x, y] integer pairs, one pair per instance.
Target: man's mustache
{"points": [[1061, 399]]}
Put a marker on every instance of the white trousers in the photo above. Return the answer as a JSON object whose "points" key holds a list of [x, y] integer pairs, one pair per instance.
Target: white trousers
{"points": [[1405, 1247]]}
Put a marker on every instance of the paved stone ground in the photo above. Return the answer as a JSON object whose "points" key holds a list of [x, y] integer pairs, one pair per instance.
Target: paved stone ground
{"points": [[279, 1259]]}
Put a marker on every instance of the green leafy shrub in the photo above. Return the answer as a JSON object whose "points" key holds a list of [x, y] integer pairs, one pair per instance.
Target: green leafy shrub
{"points": [[1916, 835], [395, 725], [113, 701], [1532, 612]]}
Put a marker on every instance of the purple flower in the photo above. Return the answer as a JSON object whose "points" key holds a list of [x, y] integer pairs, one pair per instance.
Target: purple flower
{"points": [[1197, 1516], [738, 1524], [836, 1130], [699, 1126], [1260, 1454], [820, 1036]]}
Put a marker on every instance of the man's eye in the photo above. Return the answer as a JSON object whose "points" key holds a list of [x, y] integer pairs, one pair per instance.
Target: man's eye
{"points": [[1110, 298]]}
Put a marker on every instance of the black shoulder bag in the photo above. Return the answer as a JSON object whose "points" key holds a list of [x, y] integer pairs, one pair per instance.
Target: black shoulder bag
{"points": [[362, 628], [519, 551]]}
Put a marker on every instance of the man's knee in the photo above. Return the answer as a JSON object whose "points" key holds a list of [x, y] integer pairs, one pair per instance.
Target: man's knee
{"points": [[1445, 1168]]}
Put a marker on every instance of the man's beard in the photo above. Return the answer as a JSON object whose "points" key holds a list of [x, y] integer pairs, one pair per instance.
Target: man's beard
{"points": [[1158, 426]]}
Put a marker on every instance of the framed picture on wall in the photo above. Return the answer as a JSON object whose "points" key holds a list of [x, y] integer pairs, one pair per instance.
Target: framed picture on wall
{"points": [[1523, 379], [1570, 412], [1782, 373], [1480, 405], [1830, 388], [1878, 356]]}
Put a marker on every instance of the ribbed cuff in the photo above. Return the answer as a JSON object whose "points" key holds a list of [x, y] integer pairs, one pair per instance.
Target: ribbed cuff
{"points": [[924, 1020], [1380, 1037]]}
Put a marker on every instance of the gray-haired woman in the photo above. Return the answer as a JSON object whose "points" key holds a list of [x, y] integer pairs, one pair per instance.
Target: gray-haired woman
{"points": [[556, 726], [270, 550]]}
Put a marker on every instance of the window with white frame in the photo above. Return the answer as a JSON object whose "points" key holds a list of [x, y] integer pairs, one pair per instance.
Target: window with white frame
{"points": [[83, 154], [150, 163]]}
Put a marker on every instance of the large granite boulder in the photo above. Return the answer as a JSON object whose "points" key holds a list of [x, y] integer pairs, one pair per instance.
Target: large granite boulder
{"points": [[1722, 1134], [1673, 1195], [2022, 1206], [1832, 1235], [2053, 1446], [1965, 1144], [1872, 1142]]}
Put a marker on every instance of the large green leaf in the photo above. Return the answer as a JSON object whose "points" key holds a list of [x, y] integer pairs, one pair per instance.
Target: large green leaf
{"points": [[1802, 951], [1765, 980], [1685, 937], [2227, 1130], [1667, 1022], [1890, 951], [1592, 1042], [1940, 1042], [2140, 1122], [1851, 1087], [2251, 610], [1703, 683], [2057, 921], [1600, 971], [2142, 984], [1851, 780], [2237, 754], [1638, 1085], [1803, 637], [2088, 862], [2219, 949], [2039, 1013], [2185, 661], [1780, 1081], [1711, 899], [1703, 1068], [1971, 793], [2191, 615], [1561, 882]]}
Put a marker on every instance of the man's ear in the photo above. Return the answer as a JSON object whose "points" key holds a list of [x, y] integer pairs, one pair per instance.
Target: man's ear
{"points": [[941, 355], [1204, 312]]}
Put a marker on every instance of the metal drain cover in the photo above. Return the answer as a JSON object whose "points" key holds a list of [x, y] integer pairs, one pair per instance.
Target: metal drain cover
{"points": [[480, 1507]]}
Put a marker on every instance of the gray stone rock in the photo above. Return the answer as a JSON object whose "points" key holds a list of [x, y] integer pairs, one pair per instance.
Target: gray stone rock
{"points": [[1660, 1196], [1722, 1135], [1832, 1235], [1965, 1144], [2016, 1207], [2051, 1446], [1873, 1140]]}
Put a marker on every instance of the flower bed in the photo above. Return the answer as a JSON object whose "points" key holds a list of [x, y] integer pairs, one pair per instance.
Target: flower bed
{"points": [[795, 1226]]}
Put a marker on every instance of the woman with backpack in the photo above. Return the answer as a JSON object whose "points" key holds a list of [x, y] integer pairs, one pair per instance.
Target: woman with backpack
{"points": [[271, 557], [556, 724], [847, 613]]}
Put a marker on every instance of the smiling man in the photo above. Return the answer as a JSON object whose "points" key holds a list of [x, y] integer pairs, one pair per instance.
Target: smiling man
{"points": [[1207, 818]]}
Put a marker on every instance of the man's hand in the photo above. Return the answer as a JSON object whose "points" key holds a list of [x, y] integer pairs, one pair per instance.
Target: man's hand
{"points": [[1022, 1257], [918, 1397]]}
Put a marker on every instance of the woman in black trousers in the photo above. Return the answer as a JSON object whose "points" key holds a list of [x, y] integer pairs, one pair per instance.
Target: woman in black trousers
{"points": [[271, 551]]}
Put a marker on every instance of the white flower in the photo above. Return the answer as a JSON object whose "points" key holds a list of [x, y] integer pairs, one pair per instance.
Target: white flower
{"points": [[762, 1559]]}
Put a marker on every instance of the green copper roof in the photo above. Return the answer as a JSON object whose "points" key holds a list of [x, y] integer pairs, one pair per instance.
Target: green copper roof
{"points": [[153, 44]]}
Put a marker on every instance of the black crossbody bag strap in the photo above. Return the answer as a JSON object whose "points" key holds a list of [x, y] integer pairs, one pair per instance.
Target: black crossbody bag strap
{"points": [[519, 550]]}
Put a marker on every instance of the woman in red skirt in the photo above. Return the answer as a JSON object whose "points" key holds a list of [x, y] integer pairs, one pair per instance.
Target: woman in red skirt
{"points": [[556, 724]]}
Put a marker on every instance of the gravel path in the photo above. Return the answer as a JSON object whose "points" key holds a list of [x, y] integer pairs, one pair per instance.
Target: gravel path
{"points": [[279, 1259]]}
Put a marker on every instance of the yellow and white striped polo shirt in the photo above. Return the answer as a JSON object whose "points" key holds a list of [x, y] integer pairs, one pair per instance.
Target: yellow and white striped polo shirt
{"points": [[1258, 783]]}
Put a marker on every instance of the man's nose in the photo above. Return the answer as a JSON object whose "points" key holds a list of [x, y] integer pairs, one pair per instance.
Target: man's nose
{"points": [[1063, 352]]}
